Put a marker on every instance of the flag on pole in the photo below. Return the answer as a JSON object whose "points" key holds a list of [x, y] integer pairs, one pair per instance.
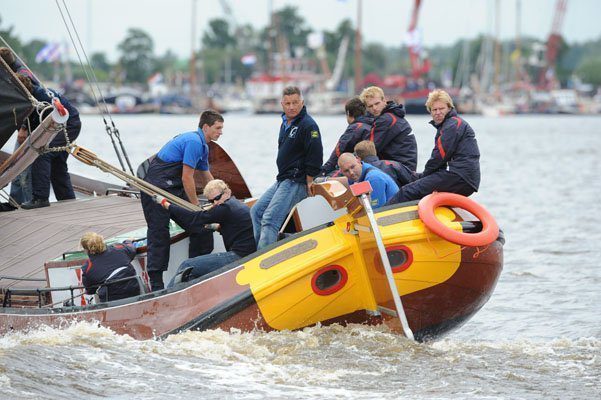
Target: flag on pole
{"points": [[249, 59], [49, 53]]}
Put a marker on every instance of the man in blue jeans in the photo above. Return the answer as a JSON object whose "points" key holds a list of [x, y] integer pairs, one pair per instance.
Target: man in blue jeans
{"points": [[299, 160], [234, 222]]}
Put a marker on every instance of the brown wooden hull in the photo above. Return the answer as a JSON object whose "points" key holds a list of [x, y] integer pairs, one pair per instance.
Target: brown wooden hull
{"points": [[220, 302]]}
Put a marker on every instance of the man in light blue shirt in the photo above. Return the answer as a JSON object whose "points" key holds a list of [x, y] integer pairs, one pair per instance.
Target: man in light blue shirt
{"points": [[384, 187]]}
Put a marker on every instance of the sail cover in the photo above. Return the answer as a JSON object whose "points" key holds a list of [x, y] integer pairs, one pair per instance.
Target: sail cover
{"points": [[15, 105]]}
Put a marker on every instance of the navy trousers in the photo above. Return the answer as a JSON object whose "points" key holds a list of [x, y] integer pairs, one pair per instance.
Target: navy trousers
{"points": [[52, 168], [441, 181]]}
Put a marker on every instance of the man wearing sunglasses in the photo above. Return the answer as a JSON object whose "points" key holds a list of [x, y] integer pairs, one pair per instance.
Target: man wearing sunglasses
{"points": [[235, 224]]}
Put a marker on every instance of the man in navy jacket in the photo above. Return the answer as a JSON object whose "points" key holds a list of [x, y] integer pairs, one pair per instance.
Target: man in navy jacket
{"points": [[300, 155], [454, 165], [359, 127], [390, 132], [234, 222], [50, 167]]}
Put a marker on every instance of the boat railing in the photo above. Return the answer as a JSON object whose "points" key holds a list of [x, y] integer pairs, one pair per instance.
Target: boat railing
{"points": [[39, 292]]}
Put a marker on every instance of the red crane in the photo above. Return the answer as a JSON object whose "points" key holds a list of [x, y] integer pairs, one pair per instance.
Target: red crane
{"points": [[420, 64], [547, 77]]}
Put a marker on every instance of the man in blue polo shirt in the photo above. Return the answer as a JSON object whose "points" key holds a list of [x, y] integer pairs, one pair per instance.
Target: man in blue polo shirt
{"points": [[173, 170], [382, 184]]}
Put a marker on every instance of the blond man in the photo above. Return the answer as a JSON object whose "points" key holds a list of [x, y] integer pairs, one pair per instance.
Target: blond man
{"points": [[454, 165], [390, 132], [235, 226]]}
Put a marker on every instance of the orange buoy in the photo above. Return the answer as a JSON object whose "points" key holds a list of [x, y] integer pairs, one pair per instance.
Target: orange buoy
{"points": [[427, 205]]}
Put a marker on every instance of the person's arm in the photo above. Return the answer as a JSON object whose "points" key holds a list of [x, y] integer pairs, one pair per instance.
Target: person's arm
{"points": [[189, 184], [313, 154], [346, 143], [129, 249], [444, 147], [383, 130], [378, 194], [194, 221]]}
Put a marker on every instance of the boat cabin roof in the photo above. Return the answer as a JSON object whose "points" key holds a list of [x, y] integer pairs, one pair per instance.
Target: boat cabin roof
{"points": [[29, 238]]}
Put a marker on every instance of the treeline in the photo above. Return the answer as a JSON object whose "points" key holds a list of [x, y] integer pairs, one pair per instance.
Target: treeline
{"points": [[222, 47]]}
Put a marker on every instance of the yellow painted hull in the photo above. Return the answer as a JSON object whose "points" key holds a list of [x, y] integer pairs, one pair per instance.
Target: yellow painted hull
{"points": [[283, 278]]}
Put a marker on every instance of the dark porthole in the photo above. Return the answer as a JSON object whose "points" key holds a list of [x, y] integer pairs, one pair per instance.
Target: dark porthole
{"points": [[400, 258], [329, 280]]}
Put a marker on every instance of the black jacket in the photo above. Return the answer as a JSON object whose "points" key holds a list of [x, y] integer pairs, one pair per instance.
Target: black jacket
{"points": [[73, 124], [99, 267], [353, 134], [232, 215], [397, 171], [300, 152], [456, 150], [393, 137]]}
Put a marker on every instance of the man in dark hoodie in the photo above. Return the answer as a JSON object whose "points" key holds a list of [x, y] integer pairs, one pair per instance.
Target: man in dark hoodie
{"points": [[454, 165], [390, 132], [299, 160], [359, 126]]}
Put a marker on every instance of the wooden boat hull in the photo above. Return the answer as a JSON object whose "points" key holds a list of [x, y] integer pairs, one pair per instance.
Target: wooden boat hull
{"points": [[289, 285]]}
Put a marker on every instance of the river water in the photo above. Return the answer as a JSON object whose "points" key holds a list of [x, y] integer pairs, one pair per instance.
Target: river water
{"points": [[539, 336]]}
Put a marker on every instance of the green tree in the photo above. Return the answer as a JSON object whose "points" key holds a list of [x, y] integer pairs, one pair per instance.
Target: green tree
{"points": [[137, 58], [292, 26], [218, 35], [590, 70], [12, 40], [374, 59], [100, 63]]}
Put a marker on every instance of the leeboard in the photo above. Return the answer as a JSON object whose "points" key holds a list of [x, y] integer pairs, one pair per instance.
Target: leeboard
{"points": [[221, 166]]}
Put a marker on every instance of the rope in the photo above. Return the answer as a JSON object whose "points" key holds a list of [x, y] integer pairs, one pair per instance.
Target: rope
{"points": [[33, 100], [91, 77], [87, 157]]}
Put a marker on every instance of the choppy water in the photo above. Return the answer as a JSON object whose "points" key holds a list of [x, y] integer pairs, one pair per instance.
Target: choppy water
{"points": [[539, 336]]}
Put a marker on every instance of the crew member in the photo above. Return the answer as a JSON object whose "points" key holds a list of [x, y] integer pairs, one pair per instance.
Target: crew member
{"points": [[173, 170], [106, 264], [390, 132], [454, 165], [50, 167], [359, 126], [20, 188], [354, 170], [235, 226], [300, 155], [366, 152], [16, 66]]}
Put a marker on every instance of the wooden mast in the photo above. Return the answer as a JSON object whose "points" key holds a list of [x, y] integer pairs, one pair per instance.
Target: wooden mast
{"points": [[358, 60]]}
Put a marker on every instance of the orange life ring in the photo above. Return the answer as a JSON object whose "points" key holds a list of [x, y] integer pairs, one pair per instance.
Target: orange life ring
{"points": [[427, 205]]}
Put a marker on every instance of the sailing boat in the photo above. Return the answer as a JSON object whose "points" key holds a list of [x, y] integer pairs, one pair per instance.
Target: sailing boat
{"points": [[422, 269]]}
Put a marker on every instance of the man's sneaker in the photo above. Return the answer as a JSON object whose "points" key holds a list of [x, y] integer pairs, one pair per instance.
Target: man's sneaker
{"points": [[35, 203]]}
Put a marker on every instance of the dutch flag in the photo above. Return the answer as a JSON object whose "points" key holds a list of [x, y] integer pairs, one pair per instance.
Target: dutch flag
{"points": [[49, 53]]}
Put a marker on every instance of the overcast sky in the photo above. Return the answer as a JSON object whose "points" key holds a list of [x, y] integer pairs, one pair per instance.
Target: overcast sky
{"points": [[102, 24]]}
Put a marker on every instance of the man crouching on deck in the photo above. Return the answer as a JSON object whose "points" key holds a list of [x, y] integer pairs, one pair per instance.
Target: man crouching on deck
{"points": [[173, 170], [300, 154], [235, 226]]}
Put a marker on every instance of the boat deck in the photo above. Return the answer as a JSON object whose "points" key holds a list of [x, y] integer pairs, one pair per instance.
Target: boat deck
{"points": [[29, 238]]}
